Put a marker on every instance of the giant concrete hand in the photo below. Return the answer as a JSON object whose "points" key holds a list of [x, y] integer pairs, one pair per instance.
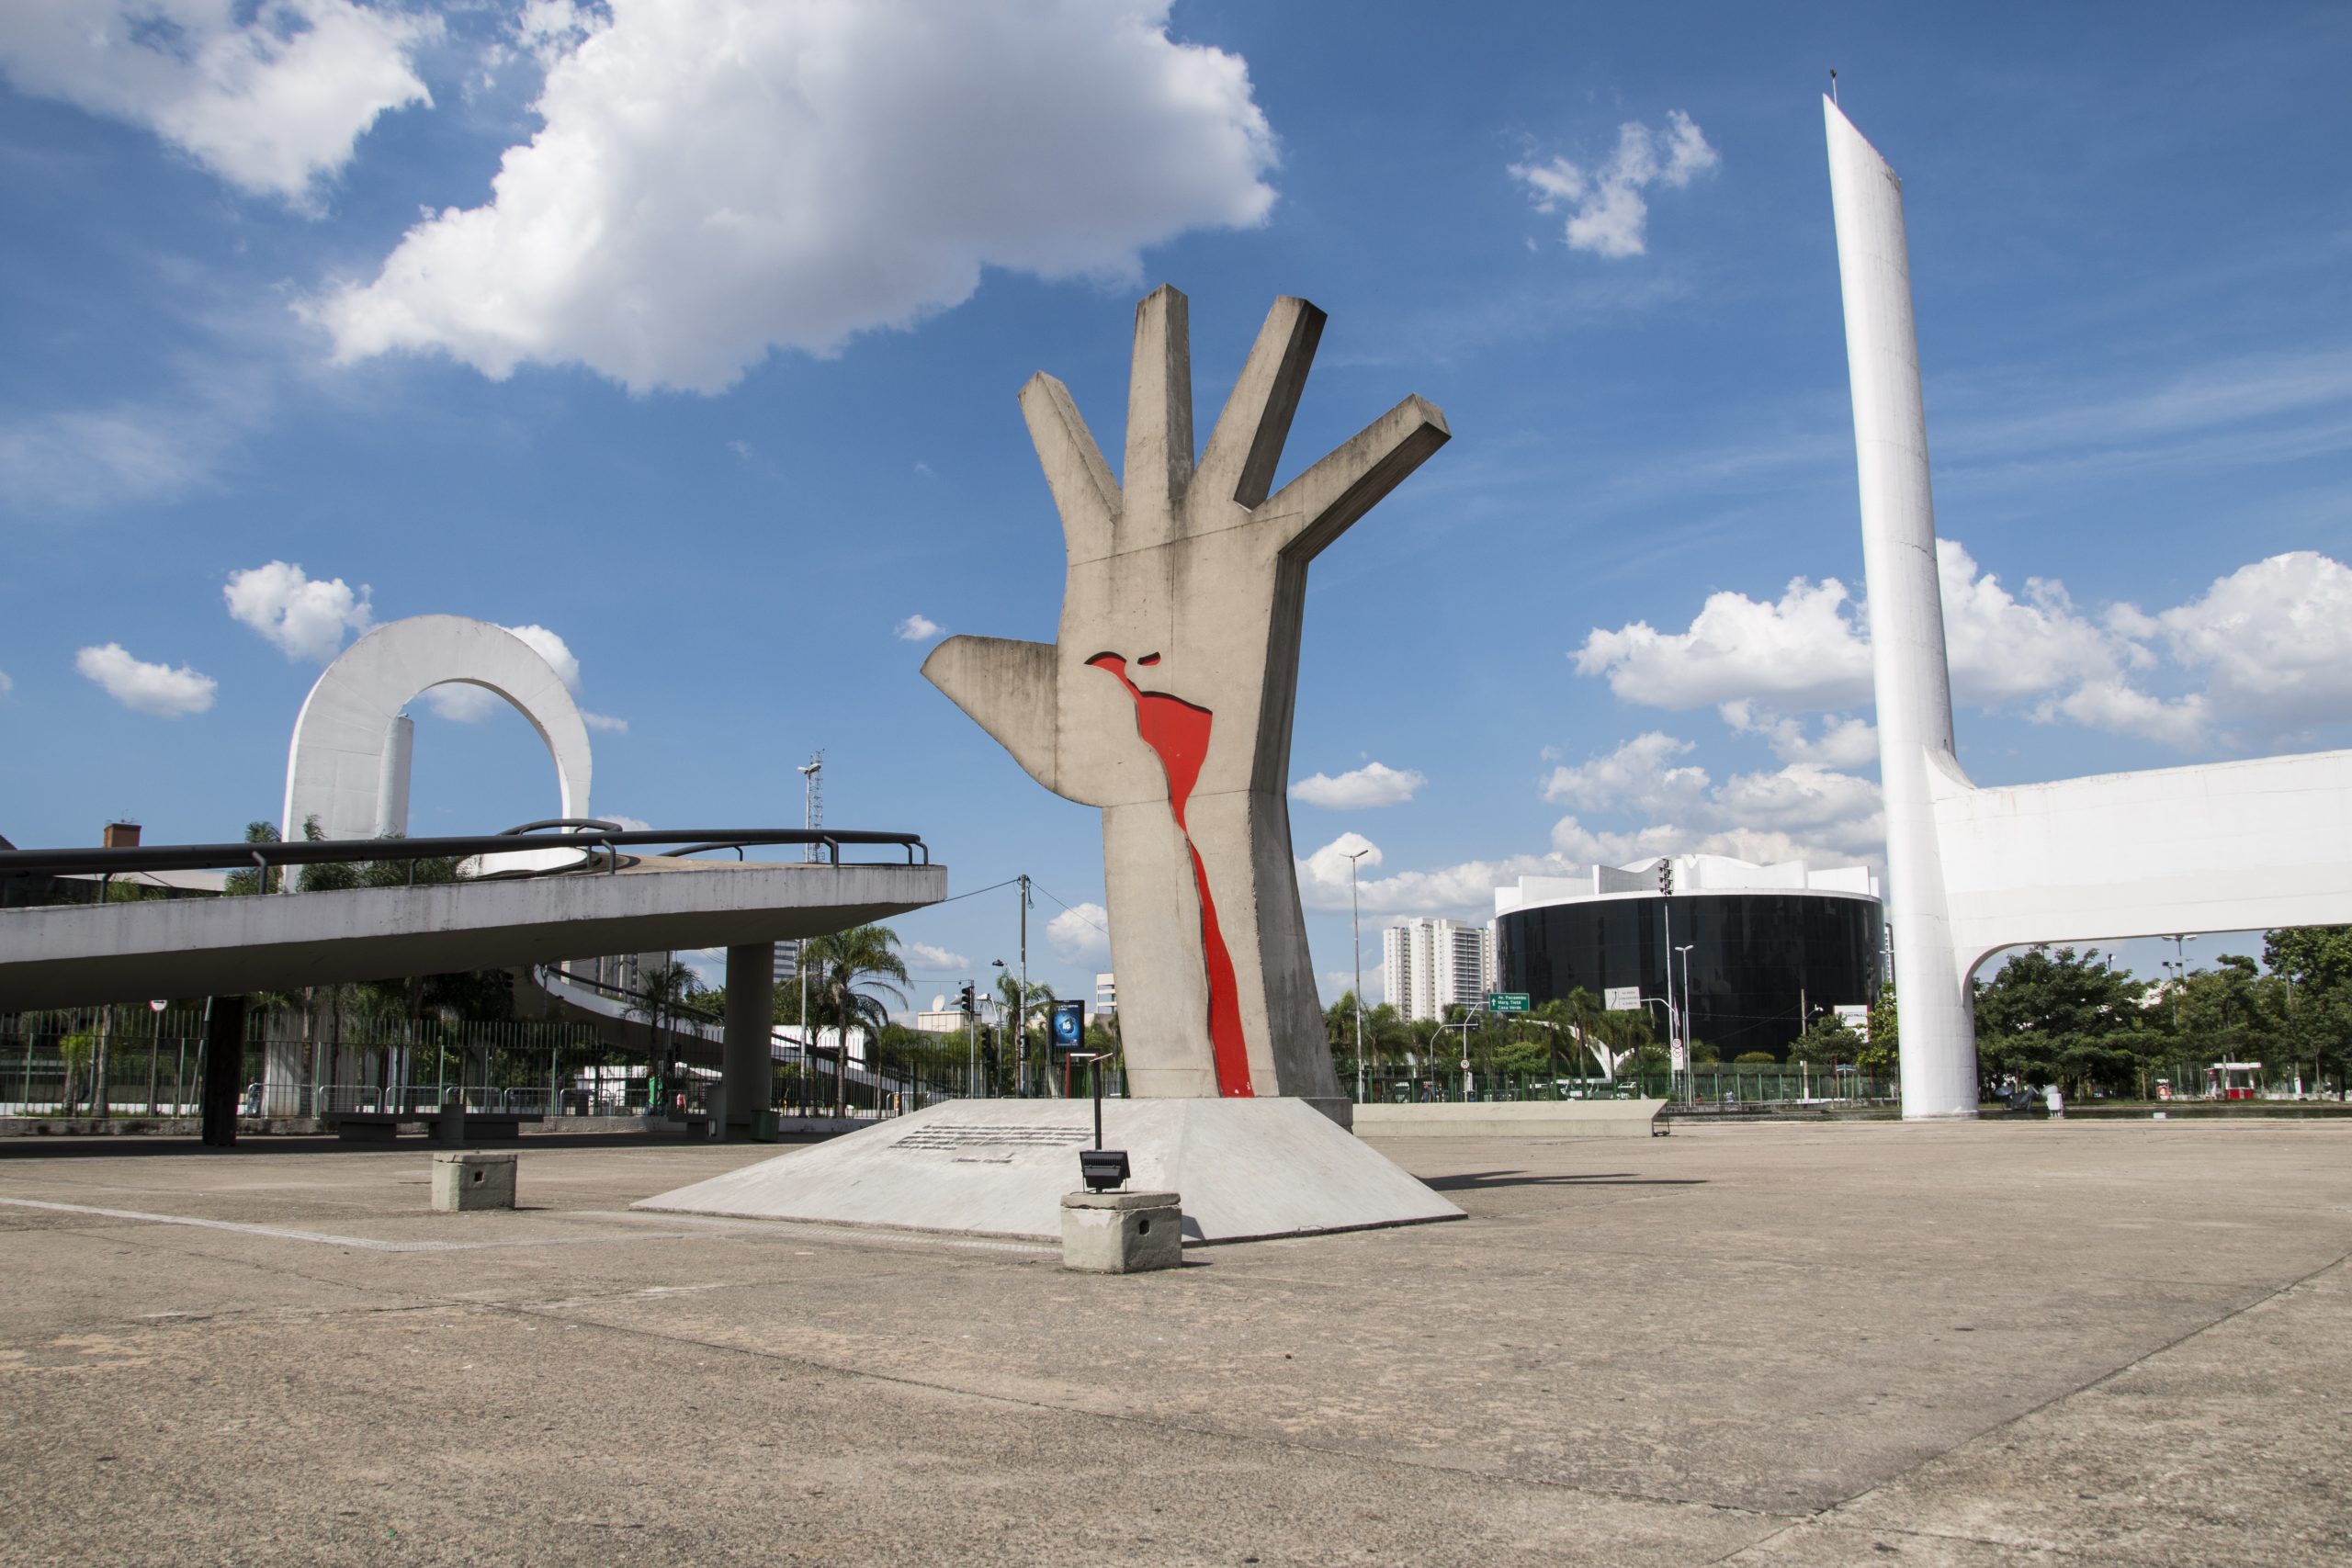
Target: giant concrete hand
{"points": [[1166, 700]]}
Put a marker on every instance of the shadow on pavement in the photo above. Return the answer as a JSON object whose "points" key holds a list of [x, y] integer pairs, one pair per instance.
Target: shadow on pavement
{"points": [[1485, 1178]]}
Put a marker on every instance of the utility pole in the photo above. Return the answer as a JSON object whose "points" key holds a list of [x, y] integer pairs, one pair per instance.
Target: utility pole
{"points": [[1355, 916], [1684, 952], [1021, 1010]]}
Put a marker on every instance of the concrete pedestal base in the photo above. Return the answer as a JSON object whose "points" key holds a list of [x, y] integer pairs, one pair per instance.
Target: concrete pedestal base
{"points": [[1121, 1233], [472, 1182], [1247, 1168]]}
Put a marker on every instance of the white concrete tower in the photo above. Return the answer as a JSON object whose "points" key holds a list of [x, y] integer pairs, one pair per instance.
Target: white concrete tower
{"points": [[1909, 668]]}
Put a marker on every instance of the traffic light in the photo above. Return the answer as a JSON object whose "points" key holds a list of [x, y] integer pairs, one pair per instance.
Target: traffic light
{"points": [[1664, 875], [965, 1000]]}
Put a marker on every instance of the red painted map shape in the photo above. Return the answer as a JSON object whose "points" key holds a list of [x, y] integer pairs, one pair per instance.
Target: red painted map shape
{"points": [[1178, 732]]}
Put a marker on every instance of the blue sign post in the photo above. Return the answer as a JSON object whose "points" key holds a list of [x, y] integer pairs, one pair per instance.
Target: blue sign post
{"points": [[1069, 1031]]}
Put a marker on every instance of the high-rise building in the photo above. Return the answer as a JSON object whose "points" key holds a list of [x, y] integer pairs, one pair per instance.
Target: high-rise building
{"points": [[1429, 965]]}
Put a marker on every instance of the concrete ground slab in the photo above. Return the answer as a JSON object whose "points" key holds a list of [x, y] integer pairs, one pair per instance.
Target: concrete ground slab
{"points": [[1244, 1169], [1972, 1345]]}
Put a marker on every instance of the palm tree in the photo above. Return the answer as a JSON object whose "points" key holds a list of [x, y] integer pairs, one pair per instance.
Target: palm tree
{"points": [[851, 978], [1040, 1002], [660, 1003]]}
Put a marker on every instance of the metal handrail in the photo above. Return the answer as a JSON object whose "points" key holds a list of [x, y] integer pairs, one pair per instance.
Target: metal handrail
{"points": [[322, 851]]}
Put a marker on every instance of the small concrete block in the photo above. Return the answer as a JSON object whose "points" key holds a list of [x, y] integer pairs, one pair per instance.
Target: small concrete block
{"points": [[473, 1180], [1122, 1233]]}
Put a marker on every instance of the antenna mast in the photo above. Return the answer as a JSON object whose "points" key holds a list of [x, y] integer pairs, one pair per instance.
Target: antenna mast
{"points": [[812, 798]]}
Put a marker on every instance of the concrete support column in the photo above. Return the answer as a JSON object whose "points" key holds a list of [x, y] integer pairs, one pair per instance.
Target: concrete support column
{"points": [[1907, 656], [392, 782], [224, 1068], [748, 1075]]}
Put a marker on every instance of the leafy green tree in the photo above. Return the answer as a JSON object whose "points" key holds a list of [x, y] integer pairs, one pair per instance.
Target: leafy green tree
{"points": [[2064, 1018], [1826, 1040], [78, 1051], [2312, 958], [1883, 1052]]}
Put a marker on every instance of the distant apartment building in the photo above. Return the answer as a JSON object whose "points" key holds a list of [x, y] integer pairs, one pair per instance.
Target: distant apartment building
{"points": [[1106, 994], [1429, 966]]}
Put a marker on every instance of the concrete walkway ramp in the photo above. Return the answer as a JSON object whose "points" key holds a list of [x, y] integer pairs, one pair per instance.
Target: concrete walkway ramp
{"points": [[1247, 1169]]}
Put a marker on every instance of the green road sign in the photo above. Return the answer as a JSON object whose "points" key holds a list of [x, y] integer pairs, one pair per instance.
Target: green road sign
{"points": [[1506, 1001]]}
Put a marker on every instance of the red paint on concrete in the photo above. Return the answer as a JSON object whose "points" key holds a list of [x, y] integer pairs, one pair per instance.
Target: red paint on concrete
{"points": [[1178, 731]]}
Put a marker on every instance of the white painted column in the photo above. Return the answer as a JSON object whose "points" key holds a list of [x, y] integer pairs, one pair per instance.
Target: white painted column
{"points": [[1908, 663], [746, 1073], [391, 781]]}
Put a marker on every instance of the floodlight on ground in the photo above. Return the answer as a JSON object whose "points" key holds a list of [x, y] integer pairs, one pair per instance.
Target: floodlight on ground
{"points": [[1103, 1170]]}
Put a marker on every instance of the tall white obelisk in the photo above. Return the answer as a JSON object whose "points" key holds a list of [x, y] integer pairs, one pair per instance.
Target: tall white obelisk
{"points": [[1908, 667]]}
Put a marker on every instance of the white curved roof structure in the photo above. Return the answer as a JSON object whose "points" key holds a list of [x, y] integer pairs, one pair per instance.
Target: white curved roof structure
{"points": [[345, 765]]}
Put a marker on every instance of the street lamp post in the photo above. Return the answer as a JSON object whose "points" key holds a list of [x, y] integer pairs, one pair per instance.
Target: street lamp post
{"points": [[1355, 916], [812, 771]]}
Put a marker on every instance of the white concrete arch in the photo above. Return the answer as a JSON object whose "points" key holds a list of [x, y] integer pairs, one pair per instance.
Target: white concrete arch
{"points": [[348, 763]]}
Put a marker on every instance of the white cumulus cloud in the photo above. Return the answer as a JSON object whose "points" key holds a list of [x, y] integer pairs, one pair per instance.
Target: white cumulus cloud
{"points": [[1607, 212], [2272, 643], [7, 685], [1469, 886], [1844, 742], [1804, 650], [305, 618], [269, 95], [1374, 783], [1080, 934], [917, 629], [157, 689], [924, 958], [1801, 811], [2275, 639], [748, 176]]}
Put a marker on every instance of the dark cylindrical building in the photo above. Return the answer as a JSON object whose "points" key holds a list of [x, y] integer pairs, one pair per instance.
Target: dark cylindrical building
{"points": [[1760, 961]]}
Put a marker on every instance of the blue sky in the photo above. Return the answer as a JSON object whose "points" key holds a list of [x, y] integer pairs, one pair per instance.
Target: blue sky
{"points": [[715, 383]]}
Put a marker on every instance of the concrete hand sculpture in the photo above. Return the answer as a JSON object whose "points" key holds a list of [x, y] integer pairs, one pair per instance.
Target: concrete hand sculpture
{"points": [[1166, 701]]}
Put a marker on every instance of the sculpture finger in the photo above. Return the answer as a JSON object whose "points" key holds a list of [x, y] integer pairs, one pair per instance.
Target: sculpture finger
{"points": [[1247, 445], [1008, 687], [1318, 506], [1085, 493], [1158, 466]]}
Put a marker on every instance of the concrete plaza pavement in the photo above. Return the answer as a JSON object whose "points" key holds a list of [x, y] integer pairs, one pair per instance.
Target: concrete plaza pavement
{"points": [[1992, 1343]]}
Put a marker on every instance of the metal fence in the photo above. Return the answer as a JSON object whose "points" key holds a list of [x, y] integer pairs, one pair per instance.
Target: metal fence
{"points": [[1736, 1083], [136, 1061]]}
